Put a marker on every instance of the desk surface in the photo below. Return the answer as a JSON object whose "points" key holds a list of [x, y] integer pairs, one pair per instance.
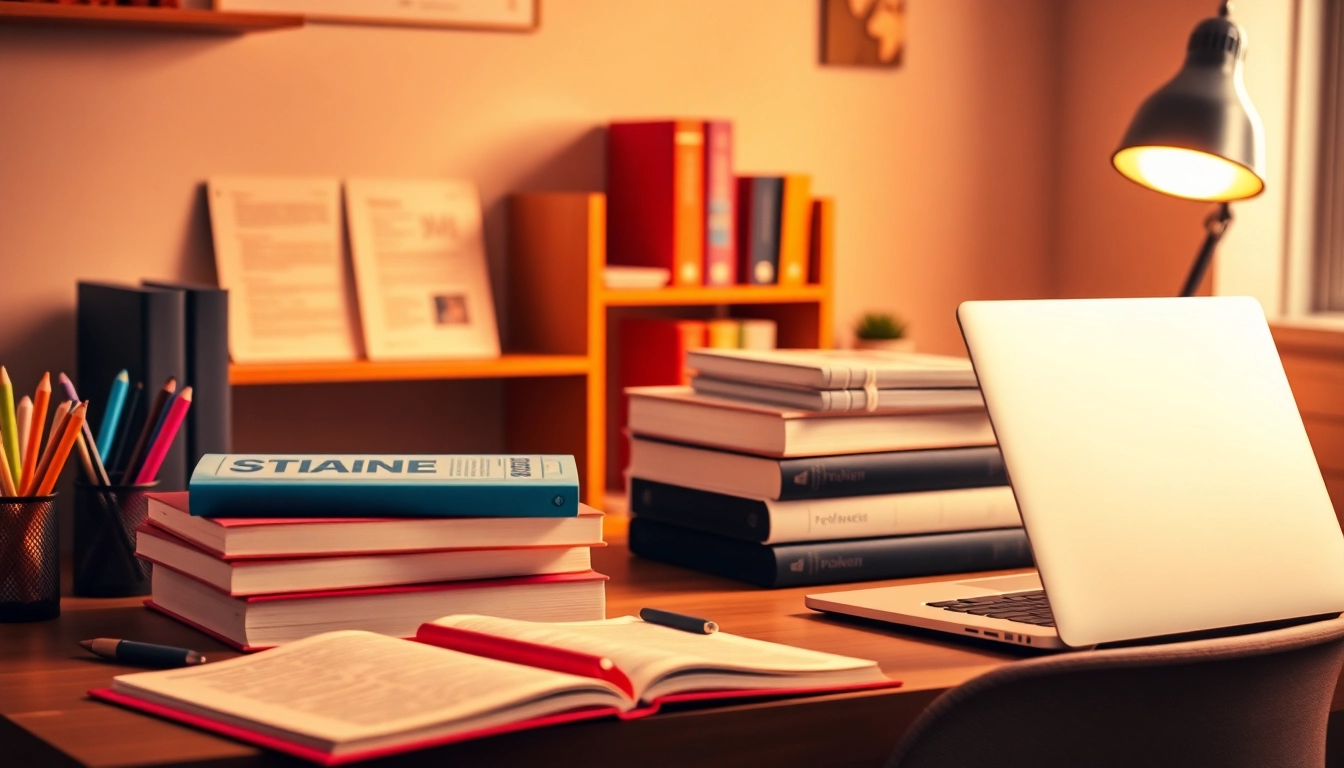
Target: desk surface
{"points": [[49, 721]]}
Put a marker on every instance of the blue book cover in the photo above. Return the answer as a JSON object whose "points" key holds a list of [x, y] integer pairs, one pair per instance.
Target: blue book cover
{"points": [[381, 485]]}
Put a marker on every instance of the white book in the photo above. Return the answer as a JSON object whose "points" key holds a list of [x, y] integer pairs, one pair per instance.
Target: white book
{"points": [[839, 400], [835, 368]]}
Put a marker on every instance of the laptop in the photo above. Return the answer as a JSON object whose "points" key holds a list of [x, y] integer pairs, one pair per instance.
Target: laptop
{"points": [[1162, 471]]}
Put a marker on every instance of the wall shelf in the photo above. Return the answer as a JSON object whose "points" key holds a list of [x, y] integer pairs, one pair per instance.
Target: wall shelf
{"points": [[504, 367], [688, 297], [162, 19]]}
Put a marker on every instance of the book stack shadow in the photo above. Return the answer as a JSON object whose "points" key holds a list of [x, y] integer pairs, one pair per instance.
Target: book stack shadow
{"points": [[773, 470], [255, 583]]}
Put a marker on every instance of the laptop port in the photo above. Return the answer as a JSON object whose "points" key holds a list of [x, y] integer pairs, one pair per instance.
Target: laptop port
{"points": [[972, 631], [991, 634]]}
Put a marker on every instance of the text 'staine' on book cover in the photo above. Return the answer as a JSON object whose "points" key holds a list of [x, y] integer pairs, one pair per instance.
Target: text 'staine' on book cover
{"points": [[379, 485]]}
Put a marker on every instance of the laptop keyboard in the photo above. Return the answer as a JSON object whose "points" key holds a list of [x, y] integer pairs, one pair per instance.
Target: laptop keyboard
{"points": [[1026, 607]]}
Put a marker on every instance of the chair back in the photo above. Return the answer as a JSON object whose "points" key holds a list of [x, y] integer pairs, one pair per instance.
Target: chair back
{"points": [[1254, 700]]}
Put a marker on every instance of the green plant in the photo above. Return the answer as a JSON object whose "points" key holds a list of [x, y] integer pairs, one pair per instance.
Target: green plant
{"points": [[880, 325]]}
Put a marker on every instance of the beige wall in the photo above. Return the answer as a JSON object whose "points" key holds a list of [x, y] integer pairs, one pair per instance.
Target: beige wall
{"points": [[941, 168]]}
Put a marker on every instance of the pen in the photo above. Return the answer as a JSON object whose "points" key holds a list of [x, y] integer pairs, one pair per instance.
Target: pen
{"points": [[678, 621], [142, 654]]}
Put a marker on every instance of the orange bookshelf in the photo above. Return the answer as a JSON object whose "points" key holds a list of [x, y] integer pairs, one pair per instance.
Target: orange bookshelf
{"points": [[163, 19], [507, 366]]}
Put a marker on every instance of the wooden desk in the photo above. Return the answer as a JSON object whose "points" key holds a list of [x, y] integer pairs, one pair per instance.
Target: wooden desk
{"points": [[47, 720]]}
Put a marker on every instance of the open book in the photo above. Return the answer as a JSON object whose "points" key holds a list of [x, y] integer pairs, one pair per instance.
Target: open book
{"points": [[344, 696]]}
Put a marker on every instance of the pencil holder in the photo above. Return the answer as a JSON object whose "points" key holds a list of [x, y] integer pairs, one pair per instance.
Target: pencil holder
{"points": [[30, 566], [106, 517]]}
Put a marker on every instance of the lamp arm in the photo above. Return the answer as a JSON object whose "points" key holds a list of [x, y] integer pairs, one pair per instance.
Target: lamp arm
{"points": [[1215, 225]]}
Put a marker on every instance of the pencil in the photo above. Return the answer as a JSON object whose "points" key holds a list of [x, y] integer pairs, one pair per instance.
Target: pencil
{"points": [[116, 399], [96, 463], [151, 421], [41, 399], [57, 426], [124, 430], [171, 423], [7, 486], [69, 387], [90, 474], [24, 413], [9, 425], [74, 424]]}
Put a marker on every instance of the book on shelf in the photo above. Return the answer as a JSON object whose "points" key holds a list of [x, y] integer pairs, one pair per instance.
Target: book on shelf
{"points": [[724, 333], [473, 676], [251, 537], [656, 196], [759, 333], [766, 521], [840, 400], [209, 425], [795, 220], [680, 415], [377, 485], [758, 215], [255, 622], [282, 574], [720, 204], [821, 238], [816, 477], [830, 562], [837, 368], [142, 330]]}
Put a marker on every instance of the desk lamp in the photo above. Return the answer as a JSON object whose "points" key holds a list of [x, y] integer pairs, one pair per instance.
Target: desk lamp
{"points": [[1198, 137]]}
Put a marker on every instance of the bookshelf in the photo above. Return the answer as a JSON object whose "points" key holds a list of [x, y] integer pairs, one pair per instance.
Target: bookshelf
{"points": [[161, 19]]}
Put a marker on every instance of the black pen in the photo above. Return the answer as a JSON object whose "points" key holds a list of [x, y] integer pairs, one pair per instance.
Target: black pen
{"points": [[142, 654], [678, 621]]}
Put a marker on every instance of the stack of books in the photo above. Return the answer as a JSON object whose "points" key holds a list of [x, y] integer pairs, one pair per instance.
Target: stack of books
{"points": [[774, 469], [376, 543]]}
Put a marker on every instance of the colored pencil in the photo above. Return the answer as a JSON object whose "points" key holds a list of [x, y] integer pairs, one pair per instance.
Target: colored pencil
{"points": [[116, 399], [171, 423], [124, 430], [9, 424], [74, 425], [90, 474], [24, 413], [69, 387], [151, 421], [7, 486], [57, 426], [41, 399]]}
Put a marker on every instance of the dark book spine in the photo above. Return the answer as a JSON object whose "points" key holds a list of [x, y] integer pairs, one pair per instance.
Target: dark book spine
{"points": [[759, 199], [719, 513], [209, 422], [868, 474], [833, 562]]}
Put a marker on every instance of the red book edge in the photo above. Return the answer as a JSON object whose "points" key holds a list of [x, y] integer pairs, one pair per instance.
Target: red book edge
{"points": [[150, 528], [393, 589], [278, 744]]}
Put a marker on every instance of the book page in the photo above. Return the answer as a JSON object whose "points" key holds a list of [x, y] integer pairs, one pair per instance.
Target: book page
{"points": [[419, 255], [278, 253], [647, 652], [349, 687]]}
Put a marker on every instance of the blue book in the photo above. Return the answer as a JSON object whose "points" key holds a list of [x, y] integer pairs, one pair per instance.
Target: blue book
{"points": [[380, 485]]}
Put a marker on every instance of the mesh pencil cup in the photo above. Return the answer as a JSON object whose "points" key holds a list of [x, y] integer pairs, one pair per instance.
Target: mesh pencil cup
{"points": [[106, 517], [30, 566]]}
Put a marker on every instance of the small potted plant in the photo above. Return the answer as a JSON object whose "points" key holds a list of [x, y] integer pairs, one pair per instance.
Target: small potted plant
{"points": [[882, 330]]}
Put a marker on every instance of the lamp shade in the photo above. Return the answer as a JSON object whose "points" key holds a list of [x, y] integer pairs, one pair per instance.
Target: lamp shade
{"points": [[1198, 136]]}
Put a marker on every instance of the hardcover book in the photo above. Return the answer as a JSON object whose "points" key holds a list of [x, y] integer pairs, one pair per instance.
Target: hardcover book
{"points": [[680, 415], [378, 485], [720, 205], [795, 221], [841, 400], [236, 538], [816, 477], [758, 211], [656, 197], [472, 676], [830, 562], [837, 368], [766, 521]]}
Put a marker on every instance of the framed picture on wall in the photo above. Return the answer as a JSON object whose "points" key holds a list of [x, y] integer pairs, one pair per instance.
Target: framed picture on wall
{"points": [[505, 15]]}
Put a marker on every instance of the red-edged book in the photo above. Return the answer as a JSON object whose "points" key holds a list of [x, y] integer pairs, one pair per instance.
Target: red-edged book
{"points": [[256, 622], [244, 537], [275, 575], [720, 205], [339, 697], [652, 352], [656, 197]]}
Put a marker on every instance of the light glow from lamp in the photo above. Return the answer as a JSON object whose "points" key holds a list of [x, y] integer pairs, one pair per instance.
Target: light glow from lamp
{"points": [[1187, 173]]}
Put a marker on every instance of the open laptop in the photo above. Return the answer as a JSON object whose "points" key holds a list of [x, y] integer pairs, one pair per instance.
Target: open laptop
{"points": [[1162, 471]]}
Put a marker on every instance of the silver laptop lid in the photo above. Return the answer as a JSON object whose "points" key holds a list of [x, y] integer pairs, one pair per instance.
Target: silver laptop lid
{"points": [[1161, 467]]}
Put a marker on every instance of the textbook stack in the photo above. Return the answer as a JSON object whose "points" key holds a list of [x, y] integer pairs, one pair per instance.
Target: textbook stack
{"points": [[265, 550], [771, 468]]}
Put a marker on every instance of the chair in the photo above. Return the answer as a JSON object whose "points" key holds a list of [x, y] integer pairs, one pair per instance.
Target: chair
{"points": [[1251, 700]]}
